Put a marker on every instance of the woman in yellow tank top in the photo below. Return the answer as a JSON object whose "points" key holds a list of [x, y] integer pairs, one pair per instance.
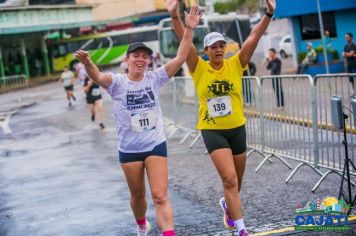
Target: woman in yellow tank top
{"points": [[218, 83]]}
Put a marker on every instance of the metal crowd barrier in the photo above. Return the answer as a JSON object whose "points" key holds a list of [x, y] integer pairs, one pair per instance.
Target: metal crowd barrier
{"points": [[288, 117], [251, 90], [331, 152], [167, 101], [297, 118], [182, 104], [13, 82], [286, 109]]}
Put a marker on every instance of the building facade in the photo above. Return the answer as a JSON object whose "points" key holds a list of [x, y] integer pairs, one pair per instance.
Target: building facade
{"points": [[23, 30], [338, 18]]}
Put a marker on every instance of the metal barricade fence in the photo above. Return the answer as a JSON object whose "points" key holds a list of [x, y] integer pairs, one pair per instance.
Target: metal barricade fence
{"points": [[251, 86], [184, 106], [330, 149], [167, 101], [286, 107], [187, 103], [297, 122], [13, 82], [288, 117]]}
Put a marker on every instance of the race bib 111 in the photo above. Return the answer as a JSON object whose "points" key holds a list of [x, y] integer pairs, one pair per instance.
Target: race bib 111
{"points": [[143, 121]]}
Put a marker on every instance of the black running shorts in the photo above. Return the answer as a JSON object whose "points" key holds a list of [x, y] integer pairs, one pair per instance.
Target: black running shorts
{"points": [[235, 139], [92, 99], [68, 88]]}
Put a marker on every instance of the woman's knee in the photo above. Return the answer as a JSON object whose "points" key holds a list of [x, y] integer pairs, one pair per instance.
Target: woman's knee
{"points": [[230, 182], [137, 197], [159, 198]]}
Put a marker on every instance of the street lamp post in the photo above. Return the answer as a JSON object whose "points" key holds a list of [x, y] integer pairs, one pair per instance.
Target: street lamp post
{"points": [[322, 36]]}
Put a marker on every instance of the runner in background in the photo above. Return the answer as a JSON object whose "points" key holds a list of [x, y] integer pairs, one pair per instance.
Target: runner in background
{"points": [[94, 100], [67, 78]]}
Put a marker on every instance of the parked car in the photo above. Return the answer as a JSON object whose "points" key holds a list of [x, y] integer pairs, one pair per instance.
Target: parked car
{"points": [[255, 18], [285, 46]]}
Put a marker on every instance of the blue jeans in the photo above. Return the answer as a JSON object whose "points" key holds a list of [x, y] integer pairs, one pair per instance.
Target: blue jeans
{"points": [[351, 70]]}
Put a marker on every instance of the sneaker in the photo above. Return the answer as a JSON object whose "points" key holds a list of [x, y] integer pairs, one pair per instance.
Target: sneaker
{"points": [[143, 230], [92, 117], [228, 222], [243, 232], [102, 126], [70, 104]]}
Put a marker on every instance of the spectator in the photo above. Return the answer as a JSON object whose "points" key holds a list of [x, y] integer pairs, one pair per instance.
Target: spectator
{"points": [[310, 58], [328, 45], [350, 55], [156, 59], [275, 65]]}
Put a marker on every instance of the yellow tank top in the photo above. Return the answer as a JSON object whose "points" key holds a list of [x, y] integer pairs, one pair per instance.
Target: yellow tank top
{"points": [[219, 91]]}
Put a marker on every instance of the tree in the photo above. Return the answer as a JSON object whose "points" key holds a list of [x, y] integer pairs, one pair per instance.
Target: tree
{"points": [[236, 6]]}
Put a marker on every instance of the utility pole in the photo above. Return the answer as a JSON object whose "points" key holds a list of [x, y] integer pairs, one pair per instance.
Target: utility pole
{"points": [[209, 4], [322, 36]]}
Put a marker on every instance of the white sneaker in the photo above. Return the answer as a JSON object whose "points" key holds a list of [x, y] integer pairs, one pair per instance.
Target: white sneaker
{"points": [[144, 231]]}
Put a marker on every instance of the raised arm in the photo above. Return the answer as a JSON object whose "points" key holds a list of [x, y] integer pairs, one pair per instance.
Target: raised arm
{"points": [[251, 42], [191, 21], [172, 7], [103, 79]]}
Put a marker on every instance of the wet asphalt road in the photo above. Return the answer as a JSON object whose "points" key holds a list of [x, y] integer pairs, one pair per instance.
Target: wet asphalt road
{"points": [[59, 175]]}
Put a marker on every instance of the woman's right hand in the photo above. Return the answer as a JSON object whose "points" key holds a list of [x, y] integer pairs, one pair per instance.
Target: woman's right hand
{"points": [[172, 7], [83, 57], [192, 19]]}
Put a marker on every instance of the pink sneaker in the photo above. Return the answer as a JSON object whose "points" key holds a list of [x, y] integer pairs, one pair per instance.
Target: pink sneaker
{"points": [[228, 222], [243, 233]]}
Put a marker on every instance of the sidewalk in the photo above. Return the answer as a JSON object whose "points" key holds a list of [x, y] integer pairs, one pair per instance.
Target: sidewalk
{"points": [[43, 79]]}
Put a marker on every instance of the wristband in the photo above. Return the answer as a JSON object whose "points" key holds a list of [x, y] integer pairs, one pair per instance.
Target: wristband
{"points": [[270, 15]]}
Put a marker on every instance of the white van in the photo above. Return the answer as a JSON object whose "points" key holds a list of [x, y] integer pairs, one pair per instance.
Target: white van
{"points": [[285, 46]]}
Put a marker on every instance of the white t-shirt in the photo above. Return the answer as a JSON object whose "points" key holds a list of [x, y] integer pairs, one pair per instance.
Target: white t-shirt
{"points": [[67, 78], [137, 111], [82, 74]]}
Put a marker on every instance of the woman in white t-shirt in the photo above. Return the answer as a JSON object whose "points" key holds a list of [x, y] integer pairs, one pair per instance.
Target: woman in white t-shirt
{"points": [[139, 121], [67, 78]]}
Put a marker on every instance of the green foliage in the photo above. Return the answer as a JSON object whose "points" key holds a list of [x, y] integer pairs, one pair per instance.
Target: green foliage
{"points": [[235, 6], [225, 7], [301, 56], [318, 50], [334, 53]]}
